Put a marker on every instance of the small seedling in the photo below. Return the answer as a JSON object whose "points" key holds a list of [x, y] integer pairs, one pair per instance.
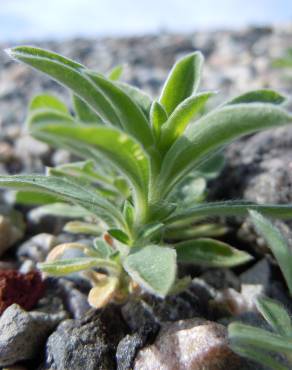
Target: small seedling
{"points": [[140, 155], [259, 344], [256, 343]]}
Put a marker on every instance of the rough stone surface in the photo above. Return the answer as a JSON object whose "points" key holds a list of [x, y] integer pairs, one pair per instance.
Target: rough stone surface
{"points": [[127, 350], [259, 273], [89, 343], [75, 301], [258, 169], [149, 309], [193, 344], [37, 248], [23, 334], [240, 302], [64, 295], [11, 229]]}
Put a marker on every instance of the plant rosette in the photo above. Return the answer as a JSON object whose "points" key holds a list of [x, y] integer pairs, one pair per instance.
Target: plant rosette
{"points": [[142, 180]]}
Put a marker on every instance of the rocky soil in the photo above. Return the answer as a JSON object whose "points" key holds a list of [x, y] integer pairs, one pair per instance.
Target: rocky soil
{"points": [[56, 328]]}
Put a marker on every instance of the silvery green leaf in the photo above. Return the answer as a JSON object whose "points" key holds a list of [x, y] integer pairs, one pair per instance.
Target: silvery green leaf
{"points": [[181, 117], [33, 198], [140, 97], [116, 146], [276, 243], [116, 73], [119, 235], [47, 115], [64, 189], [258, 355], [132, 119], [259, 96], [129, 213], [230, 208], [46, 101], [212, 132], [58, 209], [158, 117], [102, 248], [211, 253], [79, 227], [276, 315], [84, 112], [211, 168], [93, 172], [150, 231], [182, 82], [253, 337], [153, 267], [190, 231], [68, 266], [194, 190], [68, 73]]}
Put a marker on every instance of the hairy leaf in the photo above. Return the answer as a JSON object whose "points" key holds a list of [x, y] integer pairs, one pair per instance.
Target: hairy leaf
{"points": [[84, 112], [182, 82], [131, 116], [213, 131], [116, 73], [231, 208], [70, 191], [158, 117], [68, 266], [276, 315], [210, 252], [211, 168], [140, 97], [259, 338], [258, 355], [277, 244], [46, 101], [58, 209], [33, 198], [79, 227], [181, 117], [102, 248], [124, 152], [153, 267], [68, 73], [259, 96], [119, 235]]}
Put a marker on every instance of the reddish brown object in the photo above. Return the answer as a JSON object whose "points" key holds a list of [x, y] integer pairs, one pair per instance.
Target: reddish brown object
{"points": [[23, 289], [108, 239]]}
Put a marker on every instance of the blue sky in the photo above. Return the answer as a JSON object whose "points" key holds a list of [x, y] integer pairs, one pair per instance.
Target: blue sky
{"points": [[34, 19]]}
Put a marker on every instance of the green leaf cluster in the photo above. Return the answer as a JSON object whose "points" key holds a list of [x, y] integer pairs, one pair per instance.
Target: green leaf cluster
{"points": [[256, 343], [142, 176], [264, 346]]}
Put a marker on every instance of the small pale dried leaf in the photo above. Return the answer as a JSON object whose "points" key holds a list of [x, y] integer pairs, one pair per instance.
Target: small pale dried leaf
{"points": [[60, 249], [100, 295]]}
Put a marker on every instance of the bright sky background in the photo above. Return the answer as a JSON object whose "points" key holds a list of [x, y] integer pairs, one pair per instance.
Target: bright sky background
{"points": [[35, 19]]}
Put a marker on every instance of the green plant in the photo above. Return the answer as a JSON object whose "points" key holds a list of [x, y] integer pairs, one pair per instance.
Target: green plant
{"points": [[253, 342], [258, 344], [277, 244], [138, 155]]}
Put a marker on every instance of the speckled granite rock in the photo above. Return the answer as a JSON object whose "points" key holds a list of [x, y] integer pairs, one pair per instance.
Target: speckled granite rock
{"points": [[189, 345], [89, 343], [23, 334]]}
